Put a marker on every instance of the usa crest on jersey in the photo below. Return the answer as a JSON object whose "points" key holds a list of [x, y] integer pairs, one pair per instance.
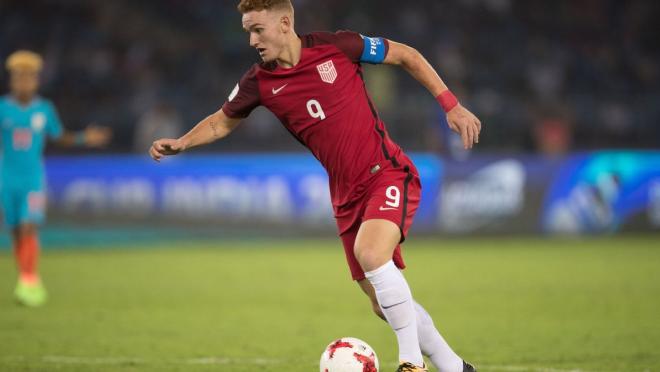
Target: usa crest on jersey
{"points": [[327, 71]]}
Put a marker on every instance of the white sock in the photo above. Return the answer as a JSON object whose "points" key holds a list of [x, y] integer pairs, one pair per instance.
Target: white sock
{"points": [[433, 345], [396, 302]]}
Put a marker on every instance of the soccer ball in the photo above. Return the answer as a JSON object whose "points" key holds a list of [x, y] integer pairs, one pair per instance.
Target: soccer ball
{"points": [[349, 354]]}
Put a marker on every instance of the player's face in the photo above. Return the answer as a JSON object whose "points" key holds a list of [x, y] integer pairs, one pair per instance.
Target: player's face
{"points": [[24, 82], [267, 33]]}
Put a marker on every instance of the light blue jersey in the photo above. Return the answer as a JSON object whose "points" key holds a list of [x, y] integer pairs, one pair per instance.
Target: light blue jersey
{"points": [[23, 133]]}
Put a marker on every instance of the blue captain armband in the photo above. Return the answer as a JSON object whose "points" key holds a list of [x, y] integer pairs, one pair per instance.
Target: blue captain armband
{"points": [[374, 50]]}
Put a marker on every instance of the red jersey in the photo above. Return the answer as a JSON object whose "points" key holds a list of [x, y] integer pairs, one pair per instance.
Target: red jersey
{"points": [[324, 103]]}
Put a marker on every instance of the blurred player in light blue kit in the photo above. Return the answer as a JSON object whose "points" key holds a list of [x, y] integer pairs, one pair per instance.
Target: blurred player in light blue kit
{"points": [[26, 120]]}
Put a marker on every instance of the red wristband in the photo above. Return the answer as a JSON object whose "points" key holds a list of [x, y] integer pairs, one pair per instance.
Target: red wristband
{"points": [[447, 100]]}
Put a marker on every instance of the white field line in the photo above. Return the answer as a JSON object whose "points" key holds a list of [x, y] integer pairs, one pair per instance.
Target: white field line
{"points": [[59, 359], [528, 369], [218, 360], [78, 360], [222, 360], [540, 369]]}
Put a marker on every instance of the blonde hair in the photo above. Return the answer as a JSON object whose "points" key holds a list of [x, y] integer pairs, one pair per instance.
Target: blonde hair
{"points": [[24, 59], [246, 6]]}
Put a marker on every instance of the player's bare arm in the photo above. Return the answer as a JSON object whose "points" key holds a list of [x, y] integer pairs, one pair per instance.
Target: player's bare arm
{"points": [[460, 119], [92, 136], [213, 128]]}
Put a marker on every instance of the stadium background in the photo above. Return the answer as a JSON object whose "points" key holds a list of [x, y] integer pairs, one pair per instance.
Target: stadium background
{"points": [[569, 94]]}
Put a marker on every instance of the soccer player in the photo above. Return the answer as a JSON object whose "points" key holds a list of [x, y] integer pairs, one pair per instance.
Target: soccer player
{"points": [[25, 121], [313, 84]]}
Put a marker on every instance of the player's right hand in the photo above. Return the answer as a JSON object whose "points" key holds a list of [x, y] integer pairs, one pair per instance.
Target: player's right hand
{"points": [[165, 147], [465, 123]]}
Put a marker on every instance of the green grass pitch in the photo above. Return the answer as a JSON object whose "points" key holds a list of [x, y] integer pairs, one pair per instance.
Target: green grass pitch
{"points": [[506, 304]]}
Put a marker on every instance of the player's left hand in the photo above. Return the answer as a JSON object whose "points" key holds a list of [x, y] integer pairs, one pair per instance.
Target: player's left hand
{"points": [[97, 136], [465, 123]]}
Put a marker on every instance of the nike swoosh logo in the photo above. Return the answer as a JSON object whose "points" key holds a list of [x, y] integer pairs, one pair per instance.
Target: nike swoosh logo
{"points": [[275, 91], [391, 306], [387, 209]]}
